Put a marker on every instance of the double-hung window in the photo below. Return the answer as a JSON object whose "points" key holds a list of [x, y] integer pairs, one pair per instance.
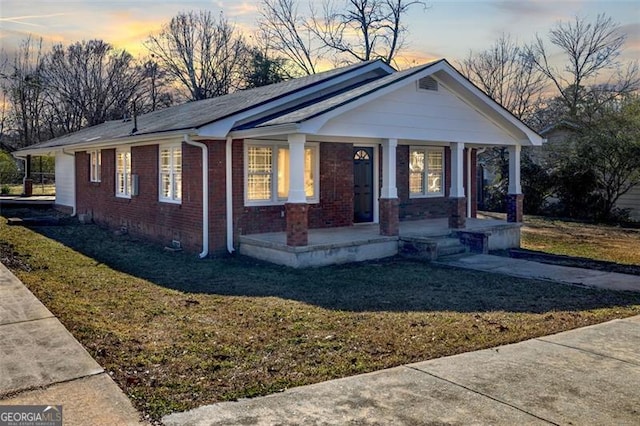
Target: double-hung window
{"points": [[267, 173], [123, 173], [171, 173], [426, 172], [95, 165]]}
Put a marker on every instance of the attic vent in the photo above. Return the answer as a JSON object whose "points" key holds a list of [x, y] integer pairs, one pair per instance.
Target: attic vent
{"points": [[427, 83]]}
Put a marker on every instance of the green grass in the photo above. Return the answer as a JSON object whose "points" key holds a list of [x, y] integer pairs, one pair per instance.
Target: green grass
{"points": [[176, 332]]}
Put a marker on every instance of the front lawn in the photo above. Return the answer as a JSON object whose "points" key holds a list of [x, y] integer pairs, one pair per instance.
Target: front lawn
{"points": [[176, 332], [600, 242]]}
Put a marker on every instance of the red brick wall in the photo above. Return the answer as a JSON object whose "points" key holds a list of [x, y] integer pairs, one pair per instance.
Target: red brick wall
{"points": [[420, 208], [144, 215], [336, 194]]}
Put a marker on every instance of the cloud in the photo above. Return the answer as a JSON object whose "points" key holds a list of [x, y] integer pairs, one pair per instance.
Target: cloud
{"points": [[24, 20]]}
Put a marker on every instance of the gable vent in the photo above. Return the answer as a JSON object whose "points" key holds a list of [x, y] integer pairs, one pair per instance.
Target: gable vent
{"points": [[427, 83]]}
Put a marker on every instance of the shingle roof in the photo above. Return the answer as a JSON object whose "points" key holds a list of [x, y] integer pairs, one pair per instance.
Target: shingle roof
{"points": [[196, 114], [346, 97]]}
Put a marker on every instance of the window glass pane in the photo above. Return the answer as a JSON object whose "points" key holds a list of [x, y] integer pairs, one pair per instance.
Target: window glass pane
{"points": [[283, 172], [435, 169], [165, 185], [259, 187], [309, 170], [259, 159], [177, 160], [416, 172], [177, 187], [165, 161]]}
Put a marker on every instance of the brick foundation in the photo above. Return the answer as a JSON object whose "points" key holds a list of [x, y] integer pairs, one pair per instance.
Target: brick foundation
{"points": [[297, 215], [28, 188], [457, 212], [515, 207], [389, 216]]}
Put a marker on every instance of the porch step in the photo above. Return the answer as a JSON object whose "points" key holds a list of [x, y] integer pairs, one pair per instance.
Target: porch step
{"points": [[430, 248], [449, 246]]}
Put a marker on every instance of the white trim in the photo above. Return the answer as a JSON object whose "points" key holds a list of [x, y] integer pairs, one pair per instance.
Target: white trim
{"points": [[174, 198], [425, 171], [205, 194], [275, 200], [389, 153], [457, 170], [229, 192]]}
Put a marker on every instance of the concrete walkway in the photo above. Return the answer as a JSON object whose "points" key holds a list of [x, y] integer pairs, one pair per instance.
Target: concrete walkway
{"points": [[41, 363], [543, 271], [585, 376]]}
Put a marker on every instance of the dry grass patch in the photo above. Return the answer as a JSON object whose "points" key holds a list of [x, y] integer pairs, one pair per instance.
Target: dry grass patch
{"points": [[176, 332], [602, 242]]}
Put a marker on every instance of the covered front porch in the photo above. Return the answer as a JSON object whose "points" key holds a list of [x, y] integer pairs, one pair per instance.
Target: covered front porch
{"points": [[421, 239]]}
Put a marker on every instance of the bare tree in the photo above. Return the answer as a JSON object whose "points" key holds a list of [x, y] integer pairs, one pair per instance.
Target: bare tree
{"points": [[590, 49], [24, 87], [285, 31], [203, 54], [154, 91], [362, 30], [351, 31], [88, 83], [507, 73]]}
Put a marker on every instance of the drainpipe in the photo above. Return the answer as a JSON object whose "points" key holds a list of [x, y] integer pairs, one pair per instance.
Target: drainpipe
{"points": [[229, 199], [73, 213], [205, 194], [469, 182]]}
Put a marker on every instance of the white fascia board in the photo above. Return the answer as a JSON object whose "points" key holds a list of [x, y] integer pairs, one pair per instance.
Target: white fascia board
{"points": [[222, 128], [266, 131], [315, 124], [148, 139], [532, 138]]}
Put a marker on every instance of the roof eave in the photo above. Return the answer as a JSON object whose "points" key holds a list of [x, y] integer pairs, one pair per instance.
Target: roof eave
{"points": [[106, 143]]}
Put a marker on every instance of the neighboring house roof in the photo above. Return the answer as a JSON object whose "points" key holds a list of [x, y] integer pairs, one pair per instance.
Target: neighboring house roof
{"points": [[562, 124], [294, 101]]}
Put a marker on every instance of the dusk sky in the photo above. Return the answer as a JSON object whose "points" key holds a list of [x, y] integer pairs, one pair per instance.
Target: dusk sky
{"points": [[445, 29]]}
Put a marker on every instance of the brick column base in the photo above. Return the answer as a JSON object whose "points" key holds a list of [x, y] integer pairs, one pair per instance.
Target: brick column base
{"points": [[389, 216], [297, 224], [28, 188], [458, 213], [515, 207]]}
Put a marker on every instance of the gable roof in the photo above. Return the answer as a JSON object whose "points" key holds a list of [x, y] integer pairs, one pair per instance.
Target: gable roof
{"points": [[196, 114], [294, 102]]}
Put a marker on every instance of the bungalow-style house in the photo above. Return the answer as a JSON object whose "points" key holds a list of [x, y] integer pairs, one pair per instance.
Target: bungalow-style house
{"points": [[343, 165]]}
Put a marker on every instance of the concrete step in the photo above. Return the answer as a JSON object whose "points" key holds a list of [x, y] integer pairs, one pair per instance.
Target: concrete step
{"points": [[449, 246]]}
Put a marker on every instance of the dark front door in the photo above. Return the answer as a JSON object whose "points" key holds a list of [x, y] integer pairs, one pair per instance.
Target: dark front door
{"points": [[362, 184]]}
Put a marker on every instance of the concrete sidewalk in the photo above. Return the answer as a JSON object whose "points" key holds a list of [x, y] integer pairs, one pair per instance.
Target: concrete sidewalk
{"points": [[543, 271], [41, 363], [585, 376]]}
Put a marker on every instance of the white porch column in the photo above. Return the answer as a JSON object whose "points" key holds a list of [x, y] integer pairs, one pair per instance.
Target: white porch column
{"points": [[457, 170], [296, 168], [389, 187], [514, 170], [515, 199], [389, 203], [458, 205]]}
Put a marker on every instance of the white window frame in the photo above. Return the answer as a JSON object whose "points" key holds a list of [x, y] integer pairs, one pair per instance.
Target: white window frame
{"points": [[95, 166], [275, 200], [425, 172], [128, 184], [175, 197]]}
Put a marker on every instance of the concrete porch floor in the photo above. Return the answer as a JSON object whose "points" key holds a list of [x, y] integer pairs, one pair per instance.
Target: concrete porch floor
{"points": [[363, 241]]}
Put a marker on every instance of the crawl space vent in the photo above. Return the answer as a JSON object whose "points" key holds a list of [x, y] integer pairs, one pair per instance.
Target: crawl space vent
{"points": [[427, 83]]}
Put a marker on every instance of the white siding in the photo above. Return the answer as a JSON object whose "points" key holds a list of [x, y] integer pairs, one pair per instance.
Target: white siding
{"points": [[631, 200], [409, 113], [65, 180]]}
